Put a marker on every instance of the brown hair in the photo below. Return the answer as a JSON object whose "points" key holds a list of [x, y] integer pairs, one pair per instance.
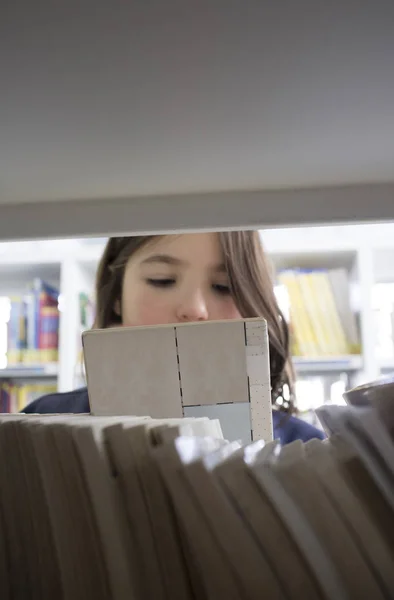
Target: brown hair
{"points": [[251, 285]]}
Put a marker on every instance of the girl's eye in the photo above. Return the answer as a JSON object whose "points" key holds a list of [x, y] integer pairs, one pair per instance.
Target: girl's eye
{"points": [[163, 283], [223, 290]]}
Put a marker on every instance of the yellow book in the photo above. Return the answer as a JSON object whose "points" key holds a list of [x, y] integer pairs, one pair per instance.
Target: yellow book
{"points": [[22, 397], [313, 308], [330, 318], [300, 321], [30, 357], [339, 282], [321, 316], [48, 355], [13, 357]]}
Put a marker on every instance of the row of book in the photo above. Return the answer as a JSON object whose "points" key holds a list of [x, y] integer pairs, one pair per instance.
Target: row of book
{"points": [[129, 507], [33, 327], [322, 322], [15, 396]]}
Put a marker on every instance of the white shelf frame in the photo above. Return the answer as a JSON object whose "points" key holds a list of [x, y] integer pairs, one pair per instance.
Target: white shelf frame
{"points": [[50, 370], [332, 364], [210, 211]]}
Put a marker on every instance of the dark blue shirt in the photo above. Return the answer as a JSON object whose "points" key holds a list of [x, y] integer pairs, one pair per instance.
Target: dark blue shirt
{"points": [[286, 428]]}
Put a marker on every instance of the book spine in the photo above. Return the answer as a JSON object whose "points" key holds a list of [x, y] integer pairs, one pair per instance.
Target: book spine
{"points": [[300, 321], [334, 327], [339, 282], [30, 328], [41, 322], [308, 330], [37, 319], [319, 315], [15, 331], [49, 333], [41, 330], [6, 391]]}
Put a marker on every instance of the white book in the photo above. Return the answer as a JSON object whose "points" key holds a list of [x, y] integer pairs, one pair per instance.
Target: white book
{"points": [[166, 371], [339, 281]]}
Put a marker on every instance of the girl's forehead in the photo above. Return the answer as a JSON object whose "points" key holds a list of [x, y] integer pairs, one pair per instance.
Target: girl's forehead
{"points": [[185, 245]]}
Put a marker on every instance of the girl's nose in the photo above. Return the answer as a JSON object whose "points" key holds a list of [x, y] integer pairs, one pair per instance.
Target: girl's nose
{"points": [[193, 308]]}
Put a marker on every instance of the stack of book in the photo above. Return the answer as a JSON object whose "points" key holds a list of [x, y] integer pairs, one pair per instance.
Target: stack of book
{"points": [[321, 319], [33, 327], [131, 507]]}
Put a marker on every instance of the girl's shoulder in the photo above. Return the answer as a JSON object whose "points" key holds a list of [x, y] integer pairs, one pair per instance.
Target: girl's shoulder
{"points": [[288, 428], [76, 401]]}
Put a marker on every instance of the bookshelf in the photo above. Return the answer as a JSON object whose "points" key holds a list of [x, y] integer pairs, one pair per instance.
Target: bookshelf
{"points": [[366, 252]]}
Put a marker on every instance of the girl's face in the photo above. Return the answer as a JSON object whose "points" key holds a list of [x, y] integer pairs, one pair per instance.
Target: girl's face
{"points": [[177, 278]]}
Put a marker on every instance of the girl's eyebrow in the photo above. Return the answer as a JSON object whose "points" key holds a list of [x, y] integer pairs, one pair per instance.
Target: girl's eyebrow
{"points": [[167, 259], [164, 259], [221, 268]]}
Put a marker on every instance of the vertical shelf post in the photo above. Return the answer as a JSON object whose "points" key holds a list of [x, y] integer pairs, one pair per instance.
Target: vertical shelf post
{"points": [[69, 319], [371, 367]]}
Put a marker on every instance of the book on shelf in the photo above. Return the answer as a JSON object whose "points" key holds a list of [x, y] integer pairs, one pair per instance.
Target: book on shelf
{"points": [[86, 311], [15, 396], [135, 507], [322, 323], [33, 327]]}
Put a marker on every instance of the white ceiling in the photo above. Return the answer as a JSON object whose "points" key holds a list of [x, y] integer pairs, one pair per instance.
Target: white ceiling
{"points": [[102, 99]]}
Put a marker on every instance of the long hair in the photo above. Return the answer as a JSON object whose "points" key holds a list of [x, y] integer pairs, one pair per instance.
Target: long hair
{"points": [[251, 286]]}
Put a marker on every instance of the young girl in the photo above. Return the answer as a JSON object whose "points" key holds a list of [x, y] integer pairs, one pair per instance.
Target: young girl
{"points": [[152, 280]]}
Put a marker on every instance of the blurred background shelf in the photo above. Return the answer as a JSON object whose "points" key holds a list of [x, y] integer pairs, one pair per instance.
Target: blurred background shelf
{"points": [[387, 365], [49, 370], [334, 364]]}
